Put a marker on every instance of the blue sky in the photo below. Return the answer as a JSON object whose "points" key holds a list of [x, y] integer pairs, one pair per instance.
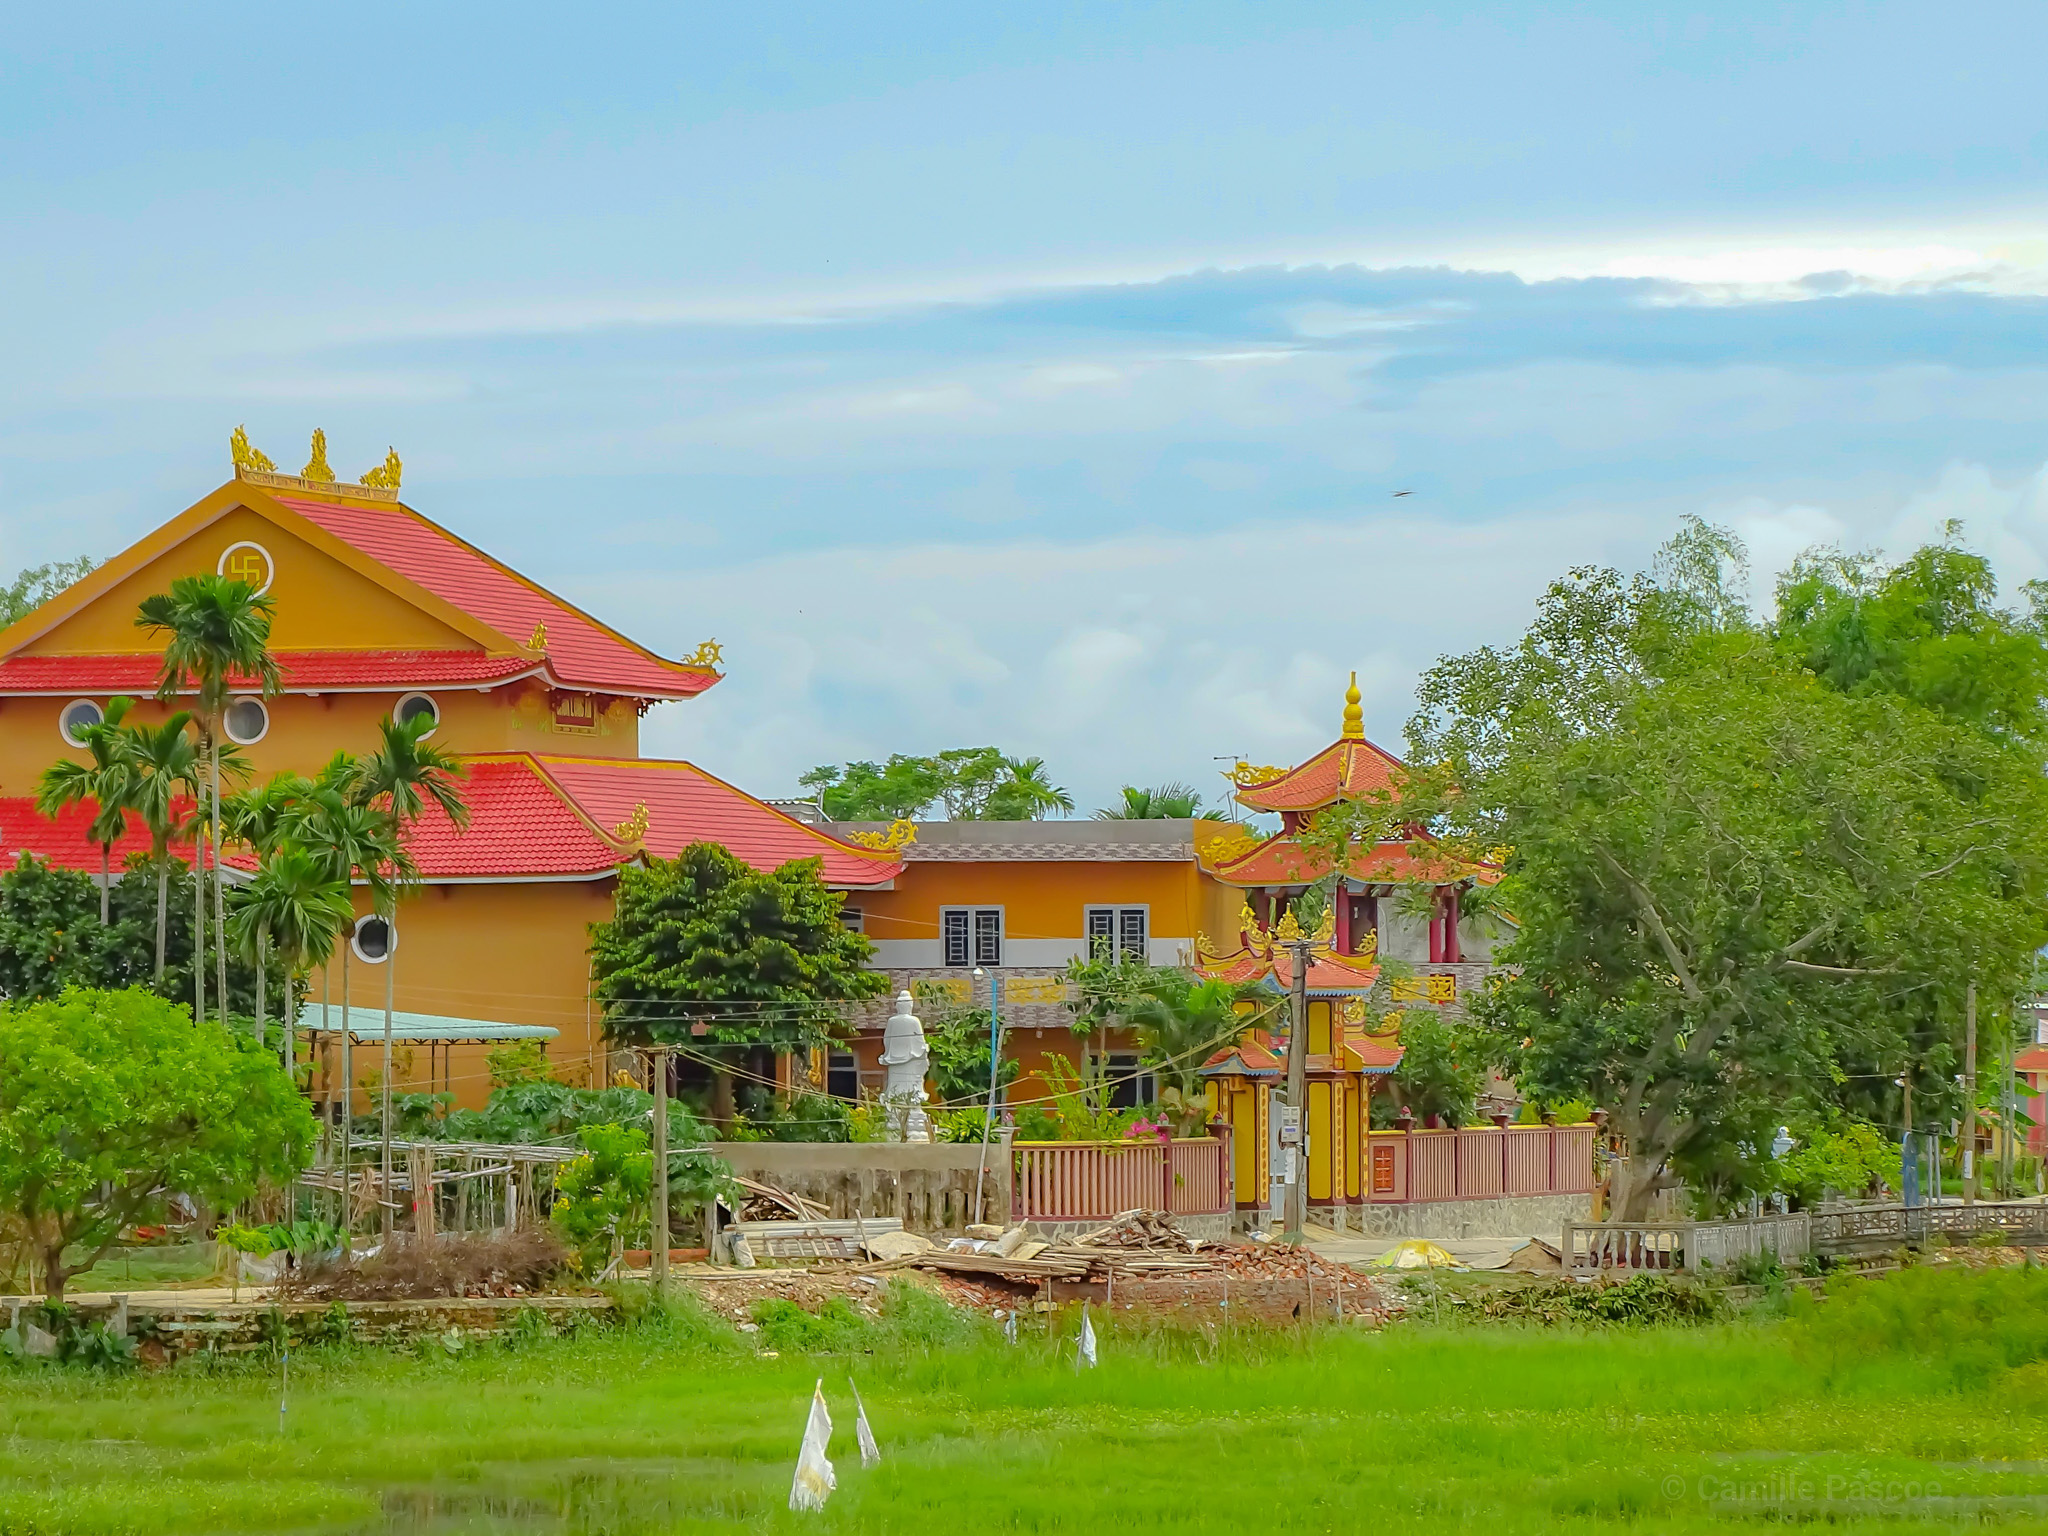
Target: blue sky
{"points": [[1040, 376]]}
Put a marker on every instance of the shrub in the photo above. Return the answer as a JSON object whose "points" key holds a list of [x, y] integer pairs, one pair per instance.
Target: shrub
{"points": [[1969, 1326]]}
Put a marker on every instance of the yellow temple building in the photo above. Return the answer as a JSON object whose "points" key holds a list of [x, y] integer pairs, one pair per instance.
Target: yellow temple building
{"points": [[1392, 908], [382, 612]]}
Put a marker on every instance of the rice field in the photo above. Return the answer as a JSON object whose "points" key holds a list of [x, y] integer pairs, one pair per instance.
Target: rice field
{"points": [[1874, 1414]]}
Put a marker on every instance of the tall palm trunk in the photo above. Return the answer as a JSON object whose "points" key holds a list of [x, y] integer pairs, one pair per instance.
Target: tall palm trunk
{"points": [[348, 1081], [390, 964], [262, 944], [220, 903], [163, 911], [106, 880], [199, 923]]}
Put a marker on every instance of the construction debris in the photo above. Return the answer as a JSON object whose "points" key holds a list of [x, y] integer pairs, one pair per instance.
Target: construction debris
{"points": [[1152, 1231]]}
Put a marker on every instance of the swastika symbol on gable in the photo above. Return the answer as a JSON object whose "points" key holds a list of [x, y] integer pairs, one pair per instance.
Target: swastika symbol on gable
{"points": [[248, 562]]}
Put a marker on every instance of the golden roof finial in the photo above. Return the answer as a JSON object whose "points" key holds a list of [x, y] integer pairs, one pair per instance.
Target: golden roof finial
{"points": [[247, 456], [538, 640], [634, 828], [1354, 717], [385, 476], [316, 467], [901, 834]]}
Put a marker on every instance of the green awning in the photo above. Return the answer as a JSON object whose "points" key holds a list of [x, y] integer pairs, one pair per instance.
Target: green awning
{"points": [[367, 1025]]}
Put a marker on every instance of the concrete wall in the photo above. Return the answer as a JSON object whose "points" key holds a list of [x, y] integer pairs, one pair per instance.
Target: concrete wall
{"points": [[930, 1186], [1517, 1216]]}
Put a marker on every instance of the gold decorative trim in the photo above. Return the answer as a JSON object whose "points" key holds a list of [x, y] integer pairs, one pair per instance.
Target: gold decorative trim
{"points": [[634, 828], [538, 640], [901, 835], [1245, 775], [316, 467], [708, 656], [385, 476]]}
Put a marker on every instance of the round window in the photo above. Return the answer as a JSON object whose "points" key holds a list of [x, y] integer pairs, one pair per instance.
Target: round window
{"points": [[79, 716], [247, 720], [415, 706], [373, 940]]}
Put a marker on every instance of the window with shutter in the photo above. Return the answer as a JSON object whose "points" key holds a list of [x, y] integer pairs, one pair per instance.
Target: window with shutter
{"points": [[988, 936], [1101, 933], [1130, 933], [953, 933]]}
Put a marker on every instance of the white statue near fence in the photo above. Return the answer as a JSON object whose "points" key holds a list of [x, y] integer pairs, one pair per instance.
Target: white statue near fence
{"points": [[905, 1056]]}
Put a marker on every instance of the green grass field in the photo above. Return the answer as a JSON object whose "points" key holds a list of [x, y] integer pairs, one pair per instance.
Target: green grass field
{"points": [[1874, 1414]]}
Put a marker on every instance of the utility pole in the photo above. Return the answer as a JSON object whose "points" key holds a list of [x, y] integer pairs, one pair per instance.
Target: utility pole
{"points": [[2010, 1112], [1970, 1095], [1297, 1092], [657, 1261]]}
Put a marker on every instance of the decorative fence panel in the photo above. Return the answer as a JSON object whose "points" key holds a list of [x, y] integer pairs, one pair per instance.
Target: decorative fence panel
{"points": [[1478, 1163], [1094, 1181], [1687, 1245]]}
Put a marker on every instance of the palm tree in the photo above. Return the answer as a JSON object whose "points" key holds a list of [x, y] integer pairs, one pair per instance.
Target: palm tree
{"points": [[261, 817], [296, 904], [1180, 1024], [1171, 801], [1025, 792], [167, 766], [108, 782], [218, 628], [402, 778], [355, 843]]}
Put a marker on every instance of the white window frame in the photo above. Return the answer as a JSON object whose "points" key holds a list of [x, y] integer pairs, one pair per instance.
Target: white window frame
{"points": [[1116, 912], [974, 932], [69, 705], [398, 709], [355, 938], [245, 698]]}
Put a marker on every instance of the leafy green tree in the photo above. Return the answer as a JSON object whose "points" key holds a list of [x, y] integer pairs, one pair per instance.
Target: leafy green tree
{"points": [[603, 1198], [972, 783], [111, 1102], [1441, 1072], [216, 631], [107, 782], [260, 818], [1171, 801], [1736, 885], [50, 936], [898, 790], [957, 1038], [37, 585], [752, 958]]}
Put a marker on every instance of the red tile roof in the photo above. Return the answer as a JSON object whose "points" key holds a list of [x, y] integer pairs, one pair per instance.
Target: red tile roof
{"points": [[1280, 860], [520, 825], [313, 671], [687, 805], [581, 652], [1349, 769], [64, 841]]}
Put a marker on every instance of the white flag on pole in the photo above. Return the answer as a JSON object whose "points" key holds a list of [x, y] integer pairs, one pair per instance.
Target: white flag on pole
{"points": [[1087, 1347], [870, 1453], [813, 1483]]}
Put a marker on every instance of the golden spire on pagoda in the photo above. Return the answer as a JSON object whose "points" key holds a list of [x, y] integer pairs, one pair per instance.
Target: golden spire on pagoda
{"points": [[1354, 716], [316, 467]]}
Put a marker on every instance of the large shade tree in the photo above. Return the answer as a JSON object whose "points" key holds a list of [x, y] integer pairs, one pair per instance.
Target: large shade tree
{"points": [[111, 1103], [1741, 887], [709, 954]]}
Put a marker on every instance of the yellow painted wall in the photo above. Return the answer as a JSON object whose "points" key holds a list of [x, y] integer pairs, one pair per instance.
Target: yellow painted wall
{"points": [[1041, 899], [512, 953], [321, 604]]}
